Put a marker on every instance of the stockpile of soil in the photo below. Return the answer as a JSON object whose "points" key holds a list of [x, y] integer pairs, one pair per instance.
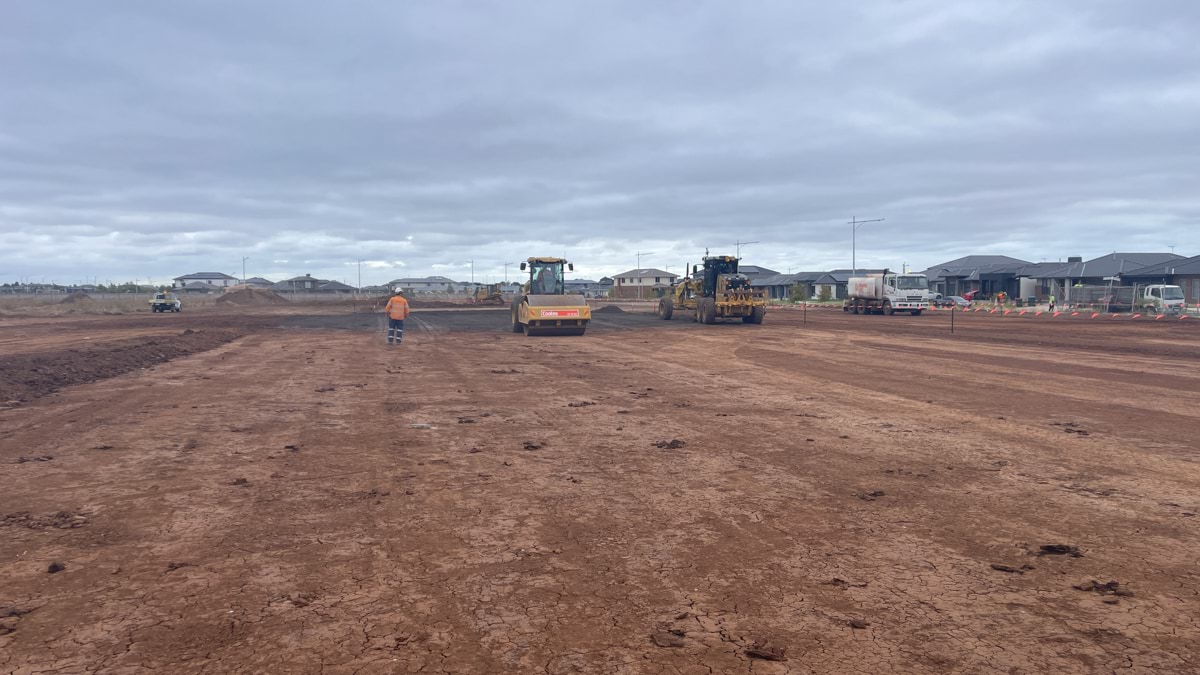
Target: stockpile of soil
{"points": [[24, 377], [609, 309], [251, 296], [435, 304], [78, 296]]}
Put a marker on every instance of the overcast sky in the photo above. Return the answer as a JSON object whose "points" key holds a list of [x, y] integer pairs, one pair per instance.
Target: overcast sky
{"points": [[150, 139]]}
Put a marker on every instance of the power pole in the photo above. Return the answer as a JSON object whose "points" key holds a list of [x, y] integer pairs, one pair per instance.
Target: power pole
{"points": [[472, 271], [638, 278], [244, 259], [360, 262], [854, 224], [506, 271]]}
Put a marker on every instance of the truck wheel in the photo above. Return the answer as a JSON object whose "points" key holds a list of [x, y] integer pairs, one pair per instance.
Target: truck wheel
{"points": [[854, 307], [707, 307], [666, 308], [757, 315], [887, 308]]}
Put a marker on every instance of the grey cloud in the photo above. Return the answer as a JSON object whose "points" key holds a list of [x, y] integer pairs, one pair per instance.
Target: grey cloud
{"points": [[205, 131]]}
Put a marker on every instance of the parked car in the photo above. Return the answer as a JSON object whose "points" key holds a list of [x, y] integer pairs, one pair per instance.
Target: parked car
{"points": [[952, 301]]}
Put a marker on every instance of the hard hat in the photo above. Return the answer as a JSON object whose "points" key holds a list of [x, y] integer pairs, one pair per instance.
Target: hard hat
{"points": [[398, 292]]}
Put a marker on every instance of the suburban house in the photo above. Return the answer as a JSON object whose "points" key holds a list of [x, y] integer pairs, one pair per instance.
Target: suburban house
{"points": [[1100, 271], [644, 283], [986, 275], [216, 279], [833, 284], [433, 284], [756, 272], [589, 288], [334, 287], [1184, 273], [304, 284], [198, 287]]}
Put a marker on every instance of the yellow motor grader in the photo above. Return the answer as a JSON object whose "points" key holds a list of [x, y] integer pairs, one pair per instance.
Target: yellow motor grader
{"points": [[544, 307], [715, 292]]}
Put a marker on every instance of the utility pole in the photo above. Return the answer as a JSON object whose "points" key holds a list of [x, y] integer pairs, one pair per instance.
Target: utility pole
{"points": [[244, 259], [638, 278], [854, 224], [506, 271], [360, 262], [738, 247]]}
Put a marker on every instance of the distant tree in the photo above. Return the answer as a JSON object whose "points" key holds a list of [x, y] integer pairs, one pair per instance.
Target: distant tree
{"points": [[825, 294], [797, 293]]}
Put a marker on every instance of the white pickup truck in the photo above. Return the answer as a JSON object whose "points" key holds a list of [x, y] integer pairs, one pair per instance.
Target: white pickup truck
{"points": [[165, 302]]}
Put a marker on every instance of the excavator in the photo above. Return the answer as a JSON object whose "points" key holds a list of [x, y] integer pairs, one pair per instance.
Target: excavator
{"points": [[715, 292], [544, 307]]}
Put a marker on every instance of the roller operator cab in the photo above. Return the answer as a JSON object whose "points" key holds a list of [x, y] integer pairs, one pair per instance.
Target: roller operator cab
{"points": [[544, 307], [715, 291]]}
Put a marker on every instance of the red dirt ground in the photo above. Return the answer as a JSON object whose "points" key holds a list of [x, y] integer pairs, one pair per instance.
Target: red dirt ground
{"points": [[857, 494]]}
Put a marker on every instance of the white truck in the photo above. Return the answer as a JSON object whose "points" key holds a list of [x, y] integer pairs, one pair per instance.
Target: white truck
{"points": [[887, 293], [1162, 299]]}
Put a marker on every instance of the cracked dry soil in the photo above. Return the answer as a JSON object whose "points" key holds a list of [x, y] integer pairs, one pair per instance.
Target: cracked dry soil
{"points": [[221, 513]]}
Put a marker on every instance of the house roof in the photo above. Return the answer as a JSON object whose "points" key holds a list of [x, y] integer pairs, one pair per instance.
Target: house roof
{"points": [[971, 267], [258, 280], [755, 270], [1170, 268], [647, 272], [1108, 265], [424, 280], [334, 286], [205, 275]]}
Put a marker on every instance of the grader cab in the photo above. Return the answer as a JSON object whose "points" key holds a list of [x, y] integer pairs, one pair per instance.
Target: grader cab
{"points": [[544, 307], [718, 291]]}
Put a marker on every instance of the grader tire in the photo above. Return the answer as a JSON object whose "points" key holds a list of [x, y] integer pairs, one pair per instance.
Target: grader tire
{"points": [[707, 308], [666, 308], [757, 315]]}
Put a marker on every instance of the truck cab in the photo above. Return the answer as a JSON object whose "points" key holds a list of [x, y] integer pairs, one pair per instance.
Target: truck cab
{"points": [[1163, 298]]}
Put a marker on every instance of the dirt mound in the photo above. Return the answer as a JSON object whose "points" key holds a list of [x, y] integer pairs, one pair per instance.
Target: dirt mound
{"points": [[435, 304], [77, 296], [24, 377], [251, 296], [609, 309]]}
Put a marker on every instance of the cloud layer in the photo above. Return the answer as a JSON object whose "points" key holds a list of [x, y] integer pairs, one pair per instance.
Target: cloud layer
{"points": [[150, 139]]}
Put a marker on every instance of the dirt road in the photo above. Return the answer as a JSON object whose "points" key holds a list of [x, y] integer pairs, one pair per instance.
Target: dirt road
{"points": [[854, 494]]}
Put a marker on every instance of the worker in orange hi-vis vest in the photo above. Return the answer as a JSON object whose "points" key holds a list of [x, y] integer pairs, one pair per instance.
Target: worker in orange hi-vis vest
{"points": [[397, 312]]}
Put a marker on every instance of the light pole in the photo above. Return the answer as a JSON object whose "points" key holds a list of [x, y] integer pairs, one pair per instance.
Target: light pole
{"points": [[738, 247], [472, 270], [360, 262], [244, 259], [506, 271], [854, 224], [638, 278]]}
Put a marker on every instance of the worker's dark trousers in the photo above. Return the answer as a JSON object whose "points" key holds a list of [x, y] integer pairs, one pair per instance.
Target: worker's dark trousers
{"points": [[395, 330]]}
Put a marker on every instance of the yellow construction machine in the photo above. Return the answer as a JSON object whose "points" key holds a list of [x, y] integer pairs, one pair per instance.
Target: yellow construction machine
{"points": [[717, 291], [488, 295], [544, 307]]}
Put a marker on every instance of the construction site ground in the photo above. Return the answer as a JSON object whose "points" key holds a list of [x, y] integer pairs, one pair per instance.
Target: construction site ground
{"points": [[278, 491]]}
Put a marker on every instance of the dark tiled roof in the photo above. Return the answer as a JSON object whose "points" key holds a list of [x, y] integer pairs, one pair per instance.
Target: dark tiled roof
{"points": [[1108, 265], [1182, 266], [205, 275]]}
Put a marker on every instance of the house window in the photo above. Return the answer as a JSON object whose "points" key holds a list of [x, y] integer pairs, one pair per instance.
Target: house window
{"points": [[657, 280]]}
